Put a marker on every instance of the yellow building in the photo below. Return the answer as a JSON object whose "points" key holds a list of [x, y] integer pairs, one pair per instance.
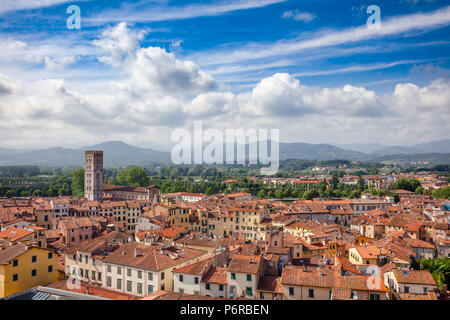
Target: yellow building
{"points": [[179, 216], [23, 267], [365, 254]]}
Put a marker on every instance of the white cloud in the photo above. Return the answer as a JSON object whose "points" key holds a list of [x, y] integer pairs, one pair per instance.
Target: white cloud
{"points": [[119, 43], [299, 16], [391, 26], [14, 5], [158, 91], [139, 12]]}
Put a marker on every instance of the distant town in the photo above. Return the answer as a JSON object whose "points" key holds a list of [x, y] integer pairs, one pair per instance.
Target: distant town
{"points": [[331, 230]]}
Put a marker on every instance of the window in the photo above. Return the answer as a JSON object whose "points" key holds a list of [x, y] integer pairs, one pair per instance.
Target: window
{"points": [[139, 288], [33, 273], [196, 280], [261, 295], [33, 259], [162, 287], [208, 286], [119, 284], [15, 277], [162, 277], [291, 291], [220, 287], [406, 289], [180, 290], [129, 285], [233, 275], [129, 272], [311, 293], [352, 295], [425, 290], [181, 278], [93, 275], [108, 281], [249, 277], [86, 259], [139, 274], [50, 269], [119, 270], [150, 276], [248, 291], [15, 263], [50, 255], [374, 296], [99, 278], [150, 289], [108, 268]]}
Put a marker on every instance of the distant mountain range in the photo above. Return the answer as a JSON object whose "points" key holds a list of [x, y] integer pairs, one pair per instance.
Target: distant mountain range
{"points": [[115, 154], [120, 154], [441, 146]]}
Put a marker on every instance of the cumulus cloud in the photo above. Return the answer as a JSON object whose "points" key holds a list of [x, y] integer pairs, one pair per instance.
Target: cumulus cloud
{"points": [[119, 43], [156, 70], [158, 92]]}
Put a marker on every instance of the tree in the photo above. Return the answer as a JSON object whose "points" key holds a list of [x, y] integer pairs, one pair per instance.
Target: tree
{"points": [[406, 184], [209, 191], [334, 182], [439, 268], [310, 194], [133, 177], [52, 192], [261, 194], [361, 184], [77, 183], [37, 193], [355, 194], [10, 193], [279, 194], [419, 190], [442, 193]]}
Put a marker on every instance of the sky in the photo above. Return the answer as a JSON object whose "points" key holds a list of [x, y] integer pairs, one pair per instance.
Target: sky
{"points": [[137, 70]]}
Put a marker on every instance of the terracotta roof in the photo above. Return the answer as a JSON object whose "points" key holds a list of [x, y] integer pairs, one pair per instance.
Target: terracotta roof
{"points": [[245, 264], [169, 295], [360, 282], [414, 277], [11, 252], [152, 257], [196, 268], [270, 284], [215, 275], [14, 234], [172, 232], [294, 275], [409, 296], [93, 290]]}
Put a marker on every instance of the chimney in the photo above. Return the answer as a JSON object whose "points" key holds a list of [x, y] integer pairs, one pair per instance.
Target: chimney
{"points": [[135, 252]]}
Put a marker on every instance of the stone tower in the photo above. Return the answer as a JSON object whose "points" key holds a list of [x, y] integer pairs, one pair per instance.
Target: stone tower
{"points": [[93, 175]]}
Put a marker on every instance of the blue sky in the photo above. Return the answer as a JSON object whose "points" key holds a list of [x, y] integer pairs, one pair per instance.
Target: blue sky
{"points": [[138, 69]]}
